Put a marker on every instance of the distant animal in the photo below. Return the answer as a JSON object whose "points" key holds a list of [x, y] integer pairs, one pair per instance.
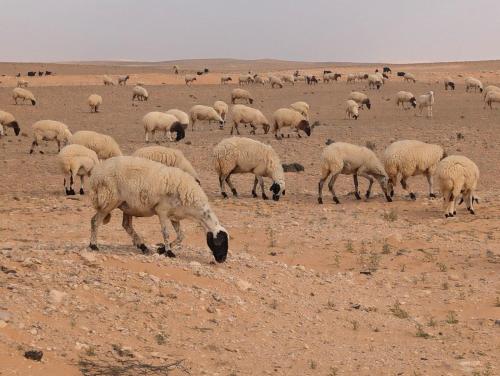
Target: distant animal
{"points": [[327, 71], [199, 73], [48, 73], [205, 70], [18, 75], [296, 73], [176, 69], [385, 76], [40, 73], [122, 80], [311, 80], [31, 73], [401, 74], [387, 70]]}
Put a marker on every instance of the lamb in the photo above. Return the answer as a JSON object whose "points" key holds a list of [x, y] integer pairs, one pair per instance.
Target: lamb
{"points": [[245, 79], [348, 159], [180, 115], [403, 97], [492, 97], [260, 80], [375, 81], [200, 112], [275, 82], [426, 101], [159, 121], [351, 109], [24, 94], [22, 83], [76, 160], [449, 83], [285, 117], [122, 80], [238, 155], [242, 114], [7, 120], [49, 130], [361, 99], [142, 188], [189, 79], [408, 158], [140, 93], [104, 146], [457, 177], [289, 78], [241, 95], [409, 77], [167, 156], [108, 81], [225, 78], [94, 101], [471, 82], [351, 77], [222, 109], [302, 108]]}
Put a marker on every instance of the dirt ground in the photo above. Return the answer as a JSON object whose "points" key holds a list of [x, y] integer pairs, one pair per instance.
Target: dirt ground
{"points": [[361, 288]]}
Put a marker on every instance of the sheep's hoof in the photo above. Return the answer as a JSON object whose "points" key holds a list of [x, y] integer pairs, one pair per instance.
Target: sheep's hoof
{"points": [[335, 199], [224, 195], [356, 194], [432, 195], [264, 197], [471, 211], [254, 194], [392, 193], [455, 213], [93, 247], [167, 252], [367, 194], [235, 194], [388, 198], [461, 200], [70, 192], [41, 152], [413, 196], [31, 151], [320, 200], [143, 248], [81, 191]]}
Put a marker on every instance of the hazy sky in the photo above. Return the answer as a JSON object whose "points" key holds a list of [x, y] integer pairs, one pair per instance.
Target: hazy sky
{"points": [[309, 30]]}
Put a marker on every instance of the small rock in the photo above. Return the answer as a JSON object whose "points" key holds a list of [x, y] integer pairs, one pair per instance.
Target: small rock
{"points": [[34, 355], [88, 258], [194, 264], [56, 297], [243, 285], [3, 324], [81, 346]]}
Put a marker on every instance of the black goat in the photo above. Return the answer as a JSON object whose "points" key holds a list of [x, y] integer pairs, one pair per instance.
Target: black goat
{"points": [[401, 74], [387, 70], [31, 74]]}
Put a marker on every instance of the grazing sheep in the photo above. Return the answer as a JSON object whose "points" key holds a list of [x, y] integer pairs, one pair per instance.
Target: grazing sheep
{"points": [[7, 120], [104, 146], [375, 81], [200, 112], [20, 93], [76, 160], [361, 99], [108, 81], [311, 80], [159, 121], [351, 78], [449, 83], [348, 159], [260, 79], [241, 95], [275, 82], [225, 78], [167, 156], [457, 177], [403, 97], [245, 79], [31, 74], [122, 80], [238, 155], [401, 74], [387, 70], [180, 115], [489, 88], [409, 77], [94, 101], [286, 117], [302, 108], [426, 101], [222, 109], [140, 93], [175, 68], [189, 79], [327, 77], [50, 130], [289, 78], [492, 97], [242, 114], [471, 82], [351, 109], [362, 76], [143, 188], [22, 83], [408, 158]]}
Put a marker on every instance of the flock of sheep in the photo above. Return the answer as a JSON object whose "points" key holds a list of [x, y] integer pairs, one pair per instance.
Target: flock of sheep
{"points": [[157, 180]]}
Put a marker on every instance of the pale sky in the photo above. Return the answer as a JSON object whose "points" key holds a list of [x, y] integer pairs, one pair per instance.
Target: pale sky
{"points": [[305, 30]]}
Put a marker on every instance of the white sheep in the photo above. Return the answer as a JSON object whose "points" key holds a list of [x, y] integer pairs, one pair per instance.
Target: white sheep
{"points": [[122, 80], [242, 114], [457, 177], [327, 77], [24, 94], [301, 107], [489, 88], [351, 78], [7, 120], [76, 160], [22, 83], [104, 146], [245, 79], [241, 94], [225, 78], [409, 77], [176, 68], [94, 101], [286, 117], [140, 93], [189, 79], [50, 130], [275, 82], [375, 81], [222, 109], [426, 101], [361, 76], [403, 97], [348, 159], [408, 158], [108, 81], [161, 122], [201, 112], [238, 155], [289, 78], [351, 109], [261, 80], [142, 188], [180, 115], [449, 83], [361, 99], [492, 97], [473, 83], [167, 156]]}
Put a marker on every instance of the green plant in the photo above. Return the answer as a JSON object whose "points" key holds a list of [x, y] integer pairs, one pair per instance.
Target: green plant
{"points": [[349, 247], [398, 311], [445, 286], [390, 216], [386, 249], [442, 267], [497, 302], [431, 322], [313, 364], [161, 338], [90, 351], [421, 333], [355, 325], [451, 318], [333, 371]]}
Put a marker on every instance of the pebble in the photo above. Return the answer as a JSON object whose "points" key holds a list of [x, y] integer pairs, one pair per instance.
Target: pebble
{"points": [[56, 297], [243, 285]]}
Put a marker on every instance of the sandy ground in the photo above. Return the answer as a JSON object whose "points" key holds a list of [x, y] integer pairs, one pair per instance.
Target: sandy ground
{"points": [[360, 288]]}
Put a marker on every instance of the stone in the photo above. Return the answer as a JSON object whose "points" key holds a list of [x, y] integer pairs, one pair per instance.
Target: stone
{"points": [[56, 297], [243, 285]]}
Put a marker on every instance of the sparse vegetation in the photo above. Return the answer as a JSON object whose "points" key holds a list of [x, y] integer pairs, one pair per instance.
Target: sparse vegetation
{"points": [[451, 318], [390, 216], [421, 333], [399, 312]]}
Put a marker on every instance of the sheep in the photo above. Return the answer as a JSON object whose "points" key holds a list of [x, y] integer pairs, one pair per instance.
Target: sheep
{"points": [[327, 77], [362, 76], [471, 82], [142, 188], [403, 97], [167, 156], [108, 81], [311, 80], [50, 130], [351, 77], [300, 79], [122, 80], [241, 95], [104, 146], [449, 83], [245, 79], [387, 70], [242, 114], [225, 78], [140, 93], [286, 117], [426, 101], [275, 82], [489, 88], [175, 68], [20, 93], [200, 112], [348, 159], [189, 79], [457, 177], [7, 120], [222, 109], [408, 158], [302, 108], [289, 78], [492, 97], [159, 121], [180, 115], [76, 160], [351, 109], [409, 77], [94, 101], [401, 74], [22, 83], [361, 99], [238, 155], [375, 81], [260, 80]]}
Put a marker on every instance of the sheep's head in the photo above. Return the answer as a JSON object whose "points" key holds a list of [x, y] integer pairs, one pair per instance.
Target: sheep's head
{"points": [[368, 104], [218, 244], [386, 186], [221, 123], [277, 188], [16, 128], [413, 102], [250, 100], [266, 127], [304, 126], [179, 130], [33, 102]]}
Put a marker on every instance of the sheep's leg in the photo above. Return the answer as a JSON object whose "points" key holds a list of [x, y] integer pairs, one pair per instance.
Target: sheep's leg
{"points": [[371, 180], [222, 179], [470, 202], [33, 145], [147, 136], [261, 182], [430, 180], [165, 247], [330, 187], [255, 182], [136, 238], [192, 124], [68, 182], [58, 145], [356, 190], [406, 186], [82, 178], [178, 231], [95, 222], [233, 190]]}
